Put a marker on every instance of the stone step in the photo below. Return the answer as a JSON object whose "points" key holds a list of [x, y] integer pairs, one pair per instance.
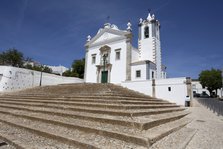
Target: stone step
{"points": [[87, 104], [76, 89], [89, 116], [177, 140], [74, 92], [4, 144], [156, 133], [150, 121], [82, 97], [81, 94], [22, 138], [123, 112], [140, 123], [120, 89], [144, 138], [74, 134], [70, 100]]}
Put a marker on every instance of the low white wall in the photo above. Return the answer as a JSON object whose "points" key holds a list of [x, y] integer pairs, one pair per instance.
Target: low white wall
{"points": [[177, 93], [144, 87], [12, 78]]}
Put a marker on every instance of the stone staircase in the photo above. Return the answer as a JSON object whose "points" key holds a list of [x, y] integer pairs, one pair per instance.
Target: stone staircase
{"points": [[86, 116]]}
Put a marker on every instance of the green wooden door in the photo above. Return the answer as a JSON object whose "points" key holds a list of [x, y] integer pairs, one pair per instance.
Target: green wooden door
{"points": [[104, 77]]}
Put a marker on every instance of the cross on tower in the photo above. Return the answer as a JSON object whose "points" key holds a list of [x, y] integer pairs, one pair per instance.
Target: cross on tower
{"points": [[149, 10], [107, 19]]}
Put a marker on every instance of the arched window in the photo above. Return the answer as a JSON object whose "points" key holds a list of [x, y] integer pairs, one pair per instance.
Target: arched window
{"points": [[146, 32]]}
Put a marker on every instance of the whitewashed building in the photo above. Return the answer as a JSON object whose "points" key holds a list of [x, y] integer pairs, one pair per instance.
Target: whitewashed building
{"points": [[198, 89], [111, 57], [58, 69]]}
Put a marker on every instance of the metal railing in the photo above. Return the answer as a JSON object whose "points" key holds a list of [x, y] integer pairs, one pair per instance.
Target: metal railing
{"points": [[213, 104]]}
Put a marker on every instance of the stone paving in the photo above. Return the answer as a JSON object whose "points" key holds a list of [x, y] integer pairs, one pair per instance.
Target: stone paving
{"points": [[4, 145], [204, 132], [209, 128]]}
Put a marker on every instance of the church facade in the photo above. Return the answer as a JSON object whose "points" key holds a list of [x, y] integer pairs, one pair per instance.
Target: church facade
{"points": [[111, 57]]}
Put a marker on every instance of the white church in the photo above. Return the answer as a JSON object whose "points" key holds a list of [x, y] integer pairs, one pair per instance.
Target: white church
{"points": [[111, 57]]}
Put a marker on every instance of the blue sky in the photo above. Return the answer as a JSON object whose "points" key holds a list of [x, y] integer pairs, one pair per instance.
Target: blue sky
{"points": [[54, 32]]}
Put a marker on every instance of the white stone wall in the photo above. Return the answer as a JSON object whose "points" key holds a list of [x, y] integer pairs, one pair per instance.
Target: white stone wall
{"points": [[147, 47], [142, 68], [178, 90], [135, 55], [144, 87], [150, 70], [177, 94], [13, 78], [118, 70], [91, 69]]}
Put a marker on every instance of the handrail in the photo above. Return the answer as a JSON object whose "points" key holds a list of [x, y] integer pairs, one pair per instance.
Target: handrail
{"points": [[213, 104]]}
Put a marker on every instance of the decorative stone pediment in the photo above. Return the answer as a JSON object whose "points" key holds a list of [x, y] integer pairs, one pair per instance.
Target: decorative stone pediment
{"points": [[107, 35], [105, 49]]}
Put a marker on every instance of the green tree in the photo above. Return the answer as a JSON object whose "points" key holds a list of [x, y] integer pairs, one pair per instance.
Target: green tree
{"points": [[67, 73], [46, 69], [70, 73], [12, 57], [2, 59], [28, 66], [37, 68], [78, 68], [211, 79], [41, 68]]}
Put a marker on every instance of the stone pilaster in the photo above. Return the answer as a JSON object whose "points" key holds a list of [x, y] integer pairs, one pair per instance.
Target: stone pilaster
{"points": [[128, 59], [189, 90], [153, 88]]}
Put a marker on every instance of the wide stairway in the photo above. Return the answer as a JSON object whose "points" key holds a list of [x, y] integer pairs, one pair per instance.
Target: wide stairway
{"points": [[88, 116]]}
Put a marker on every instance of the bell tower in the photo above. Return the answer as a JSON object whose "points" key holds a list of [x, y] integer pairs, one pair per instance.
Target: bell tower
{"points": [[149, 42]]}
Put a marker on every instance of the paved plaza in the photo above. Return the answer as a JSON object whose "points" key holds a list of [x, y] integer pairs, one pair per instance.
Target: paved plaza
{"points": [[209, 127], [204, 132]]}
